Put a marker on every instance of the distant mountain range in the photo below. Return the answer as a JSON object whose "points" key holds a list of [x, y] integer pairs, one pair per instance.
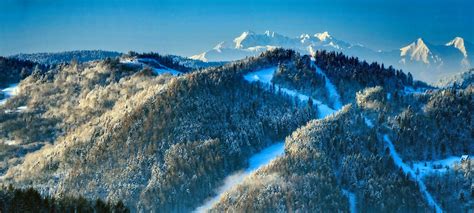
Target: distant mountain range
{"points": [[425, 61]]}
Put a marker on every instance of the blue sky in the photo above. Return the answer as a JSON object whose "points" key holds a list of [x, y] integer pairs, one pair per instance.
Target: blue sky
{"points": [[189, 27]]}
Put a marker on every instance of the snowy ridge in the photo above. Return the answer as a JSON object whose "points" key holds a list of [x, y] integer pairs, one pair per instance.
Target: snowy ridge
{"points": [[250, 44], [416, 51], [409, 171], [458, 43], [426, 61]]}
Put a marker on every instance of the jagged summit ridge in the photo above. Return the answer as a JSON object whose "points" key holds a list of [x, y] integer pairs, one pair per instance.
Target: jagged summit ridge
{"points": [[426, 61]]}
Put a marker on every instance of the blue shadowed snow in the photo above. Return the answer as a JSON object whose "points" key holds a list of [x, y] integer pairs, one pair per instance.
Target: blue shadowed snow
{"points": [[368, 122], [265, 156], [436, 166], [352, 200], [256, 161], [166, 70], [333, 94], [264, 76]]}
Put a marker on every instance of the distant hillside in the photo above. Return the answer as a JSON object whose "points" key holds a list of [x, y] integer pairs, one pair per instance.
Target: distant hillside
{"points": [[13, 70], [68, 56], [461, 80]]}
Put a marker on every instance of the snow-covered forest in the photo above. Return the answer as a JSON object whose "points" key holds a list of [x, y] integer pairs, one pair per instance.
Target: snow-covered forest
{"points": [[276, 132]]}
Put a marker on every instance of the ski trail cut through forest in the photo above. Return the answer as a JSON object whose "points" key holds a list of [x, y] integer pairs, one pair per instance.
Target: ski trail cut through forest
{"points": [[330, 88], [265, 77], [256, 161], [352, 200], [408, 170], [268, 154]]}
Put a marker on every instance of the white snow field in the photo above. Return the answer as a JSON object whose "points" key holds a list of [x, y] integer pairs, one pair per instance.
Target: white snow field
{"points": [[270, 153], [408, 170], [256, 161], [9, 92], [424, 168]]}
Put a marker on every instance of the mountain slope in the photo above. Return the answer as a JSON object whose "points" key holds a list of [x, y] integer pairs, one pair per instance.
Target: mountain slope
{"points": [[153, 145], [118, 130], [462, 80], [320, 163]]}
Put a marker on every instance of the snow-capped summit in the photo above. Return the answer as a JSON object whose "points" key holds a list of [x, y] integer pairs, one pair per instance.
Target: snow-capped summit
{"points": [[458, 43], [219, 46], [323, 36], [250, 43], [424, 60], [416, 51], [238, 41]]}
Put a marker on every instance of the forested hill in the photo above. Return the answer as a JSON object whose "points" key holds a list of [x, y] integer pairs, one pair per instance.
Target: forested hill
{"points": [[14, 70], [161, 136], [67, 57], [150, 135]]}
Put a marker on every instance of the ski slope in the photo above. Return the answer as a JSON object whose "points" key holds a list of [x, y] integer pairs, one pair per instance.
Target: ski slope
{"points": [[333, 94], [352, 200], [409, 171], [256, 161], [265, 77], [264, 157]]}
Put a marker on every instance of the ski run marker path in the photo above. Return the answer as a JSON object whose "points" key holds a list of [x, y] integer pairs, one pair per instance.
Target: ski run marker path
{"points": [[408, 170], [256, 161], [352, 200], [268, 154]]}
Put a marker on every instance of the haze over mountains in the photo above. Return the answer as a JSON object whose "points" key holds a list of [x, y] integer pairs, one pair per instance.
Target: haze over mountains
{"points": [[424, 60]]}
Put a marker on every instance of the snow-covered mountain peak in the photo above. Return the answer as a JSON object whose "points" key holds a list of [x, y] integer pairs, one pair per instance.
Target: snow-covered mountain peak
{"points": [[304, 37], [270, 33], [417, 51], [238, 41], [323, 36], [458, 43], [219, 46]]}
